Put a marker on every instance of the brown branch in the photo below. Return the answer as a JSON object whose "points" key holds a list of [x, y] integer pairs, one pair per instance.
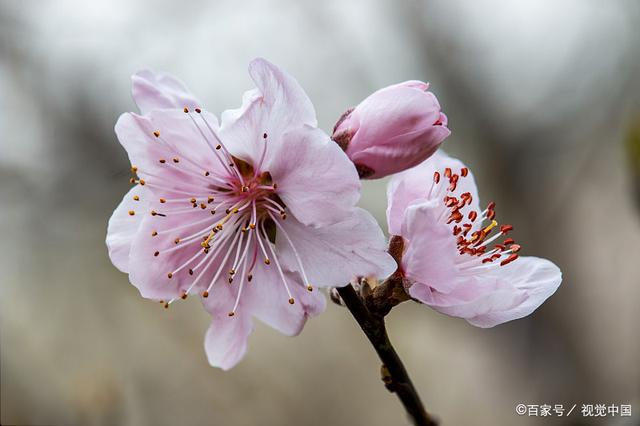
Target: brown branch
{"points": [[394, 374]]}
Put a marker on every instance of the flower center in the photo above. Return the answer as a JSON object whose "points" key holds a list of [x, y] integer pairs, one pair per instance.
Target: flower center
{"points": [[241, 213], [474, 231]]}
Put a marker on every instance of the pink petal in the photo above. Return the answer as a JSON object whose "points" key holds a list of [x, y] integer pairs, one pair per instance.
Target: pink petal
{"points": [[283, 94], [276, 106], [431, 252], [335, 254], [153, 90], [226, 340], [269, 300], [537, 278], [394, 111], [180, 139], [123, 226], [416, 183], [415, 84], [504, 294], [315, 179], [157, 234]]}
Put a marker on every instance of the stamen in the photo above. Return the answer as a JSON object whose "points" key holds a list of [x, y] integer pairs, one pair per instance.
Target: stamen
{"points": [[229, 158], [244, 270], [509, 259], [295, 252], [275, 258], [476, 247], [226, 257]]}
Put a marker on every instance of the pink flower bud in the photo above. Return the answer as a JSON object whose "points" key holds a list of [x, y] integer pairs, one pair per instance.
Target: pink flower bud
{"points": [[392, 130]]}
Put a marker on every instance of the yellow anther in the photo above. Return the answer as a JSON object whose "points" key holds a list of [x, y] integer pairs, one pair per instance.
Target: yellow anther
{"points": [[489, 227]]}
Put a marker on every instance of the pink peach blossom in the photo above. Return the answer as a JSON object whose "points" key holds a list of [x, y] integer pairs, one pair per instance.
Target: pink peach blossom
{"points": [[392, 130], [457, 258], [251, 215]]}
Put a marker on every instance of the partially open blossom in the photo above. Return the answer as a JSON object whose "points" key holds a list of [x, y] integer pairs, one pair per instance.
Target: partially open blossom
{"points": [[250, 215], [457, 257], [392, 130]]}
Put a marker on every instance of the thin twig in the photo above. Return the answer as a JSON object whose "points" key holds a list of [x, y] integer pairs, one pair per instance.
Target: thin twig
{"points": [[394, 374]]}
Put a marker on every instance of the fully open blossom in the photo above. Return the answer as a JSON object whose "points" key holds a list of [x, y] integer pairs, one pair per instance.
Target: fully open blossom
{"points": [[457, 257], [251, 215], [393, 129]]}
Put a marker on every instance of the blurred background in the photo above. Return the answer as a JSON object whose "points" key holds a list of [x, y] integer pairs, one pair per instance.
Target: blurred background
{"points": [[544, 105]]}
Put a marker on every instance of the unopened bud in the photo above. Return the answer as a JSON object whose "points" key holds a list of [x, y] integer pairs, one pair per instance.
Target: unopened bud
{"points": [[393, 129]]}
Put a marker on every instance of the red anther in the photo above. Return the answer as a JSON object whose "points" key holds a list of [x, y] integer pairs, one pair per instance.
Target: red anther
{"points": [[436, 177], [464, 172], [465, 195], [481, 250], [471, 251], [453, 186], [456, 216], [509, 259], [459, 240], [456, 230], [487, 260], [500, 247], [508, 241], [447, 172], [491, 206], [198, 110], [506, 228], [472, 215], [495, 256], [454, 178], [491, 214], [450, 201], [515, 248]]}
